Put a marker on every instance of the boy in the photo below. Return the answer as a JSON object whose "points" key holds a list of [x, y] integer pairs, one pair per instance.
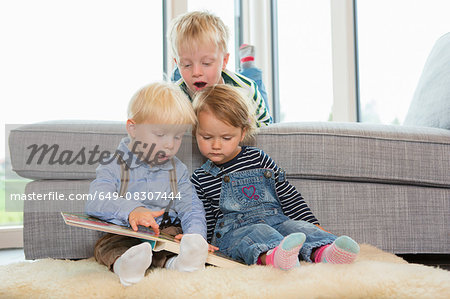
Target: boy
{"points": [[158, 116], [199, 47]]}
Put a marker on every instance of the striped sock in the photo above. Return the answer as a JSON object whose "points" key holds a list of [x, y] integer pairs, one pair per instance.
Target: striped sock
{"points": [[285, 255], [342, 251], [247, 56]]}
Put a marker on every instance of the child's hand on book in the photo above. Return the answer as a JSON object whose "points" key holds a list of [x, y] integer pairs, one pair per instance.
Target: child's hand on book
{"points": [[145, 217]]}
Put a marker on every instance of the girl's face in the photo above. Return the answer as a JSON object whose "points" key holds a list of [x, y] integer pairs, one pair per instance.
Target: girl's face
{"points": [[217, 141]]}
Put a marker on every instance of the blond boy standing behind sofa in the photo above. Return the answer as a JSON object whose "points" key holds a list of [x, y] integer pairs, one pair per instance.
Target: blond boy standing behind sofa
{"points": [[199, 47]]}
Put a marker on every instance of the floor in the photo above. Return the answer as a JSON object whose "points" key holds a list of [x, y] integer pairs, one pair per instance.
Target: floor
{"points": [[436, 260], [9, 256]]}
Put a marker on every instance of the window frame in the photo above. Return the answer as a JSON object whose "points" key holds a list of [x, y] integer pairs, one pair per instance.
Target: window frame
{"points": [[345, 61], [344, 54]]}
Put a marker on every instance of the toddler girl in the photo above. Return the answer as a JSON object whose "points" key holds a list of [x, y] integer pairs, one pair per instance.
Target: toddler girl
{"points": [[253, 213]]}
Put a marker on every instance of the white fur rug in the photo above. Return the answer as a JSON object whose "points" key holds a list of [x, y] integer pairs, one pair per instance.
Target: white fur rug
{"points": [[376, 274]]}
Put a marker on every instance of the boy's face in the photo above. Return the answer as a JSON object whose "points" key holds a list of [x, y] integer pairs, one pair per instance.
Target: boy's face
{"points": [[202, 66], [155, 143]]}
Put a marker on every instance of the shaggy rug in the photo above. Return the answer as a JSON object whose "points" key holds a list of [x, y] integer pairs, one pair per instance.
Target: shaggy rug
{"points": [[375, 274]]}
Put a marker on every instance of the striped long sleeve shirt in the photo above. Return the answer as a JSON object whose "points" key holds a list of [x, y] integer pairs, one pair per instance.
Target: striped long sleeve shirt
{"points": [[208, 188]]}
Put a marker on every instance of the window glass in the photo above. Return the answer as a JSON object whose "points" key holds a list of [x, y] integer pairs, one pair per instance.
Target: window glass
{"points": [[305, 65], [225, 11], [78, 59], [394, 41]]}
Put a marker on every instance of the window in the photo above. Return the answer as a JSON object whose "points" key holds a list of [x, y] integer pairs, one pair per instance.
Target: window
{"points": [[305, 60], [394, 40], [75, 59]]}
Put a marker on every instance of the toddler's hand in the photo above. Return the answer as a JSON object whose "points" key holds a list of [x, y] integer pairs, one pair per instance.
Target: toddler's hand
{"points": [[178, 238], [145, 217], [322, 228], [212, 248]]}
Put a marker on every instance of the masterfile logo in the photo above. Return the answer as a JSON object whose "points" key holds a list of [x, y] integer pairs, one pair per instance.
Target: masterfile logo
{"points": [[52, 155]]}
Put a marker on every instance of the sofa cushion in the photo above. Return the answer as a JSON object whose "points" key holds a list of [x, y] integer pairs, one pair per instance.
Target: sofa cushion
{"points": [[396, 218], [388, 216], [45, 234], [430, 105]]}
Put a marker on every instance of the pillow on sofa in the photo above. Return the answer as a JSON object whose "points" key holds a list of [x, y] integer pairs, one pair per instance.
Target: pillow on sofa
{"points": [[430, 106]]}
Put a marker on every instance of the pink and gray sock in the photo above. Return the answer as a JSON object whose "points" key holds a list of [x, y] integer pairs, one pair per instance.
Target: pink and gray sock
{"points": [[247, 56], [285, 255], [342, 251]]}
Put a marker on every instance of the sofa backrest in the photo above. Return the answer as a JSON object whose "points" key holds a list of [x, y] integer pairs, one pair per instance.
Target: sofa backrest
{"points": [[430, 105], [315, 150]]}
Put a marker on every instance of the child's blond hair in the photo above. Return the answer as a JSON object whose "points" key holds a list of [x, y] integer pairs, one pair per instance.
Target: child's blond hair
{"points": [[197, 28], [229, 105], [161, 103]]}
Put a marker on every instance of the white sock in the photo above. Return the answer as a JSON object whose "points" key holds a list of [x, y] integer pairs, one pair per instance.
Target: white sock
{"points": [[131, 265], [193, 254]]}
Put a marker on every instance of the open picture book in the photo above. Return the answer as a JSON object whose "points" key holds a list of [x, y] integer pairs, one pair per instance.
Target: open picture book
{"points": [[161, 242]]}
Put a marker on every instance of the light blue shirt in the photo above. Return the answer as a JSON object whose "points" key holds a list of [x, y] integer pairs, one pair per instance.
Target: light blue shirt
{"points": [[148, 187]]}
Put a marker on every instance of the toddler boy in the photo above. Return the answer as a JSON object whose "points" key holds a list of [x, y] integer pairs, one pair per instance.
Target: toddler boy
{"points": [[145, 165]]}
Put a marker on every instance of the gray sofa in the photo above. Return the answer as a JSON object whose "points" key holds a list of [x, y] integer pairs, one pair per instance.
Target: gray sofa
{"points": [[385, 185]]}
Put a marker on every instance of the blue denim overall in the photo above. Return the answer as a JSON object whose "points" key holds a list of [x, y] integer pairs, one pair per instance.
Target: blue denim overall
{"points": [[253, 221]]}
